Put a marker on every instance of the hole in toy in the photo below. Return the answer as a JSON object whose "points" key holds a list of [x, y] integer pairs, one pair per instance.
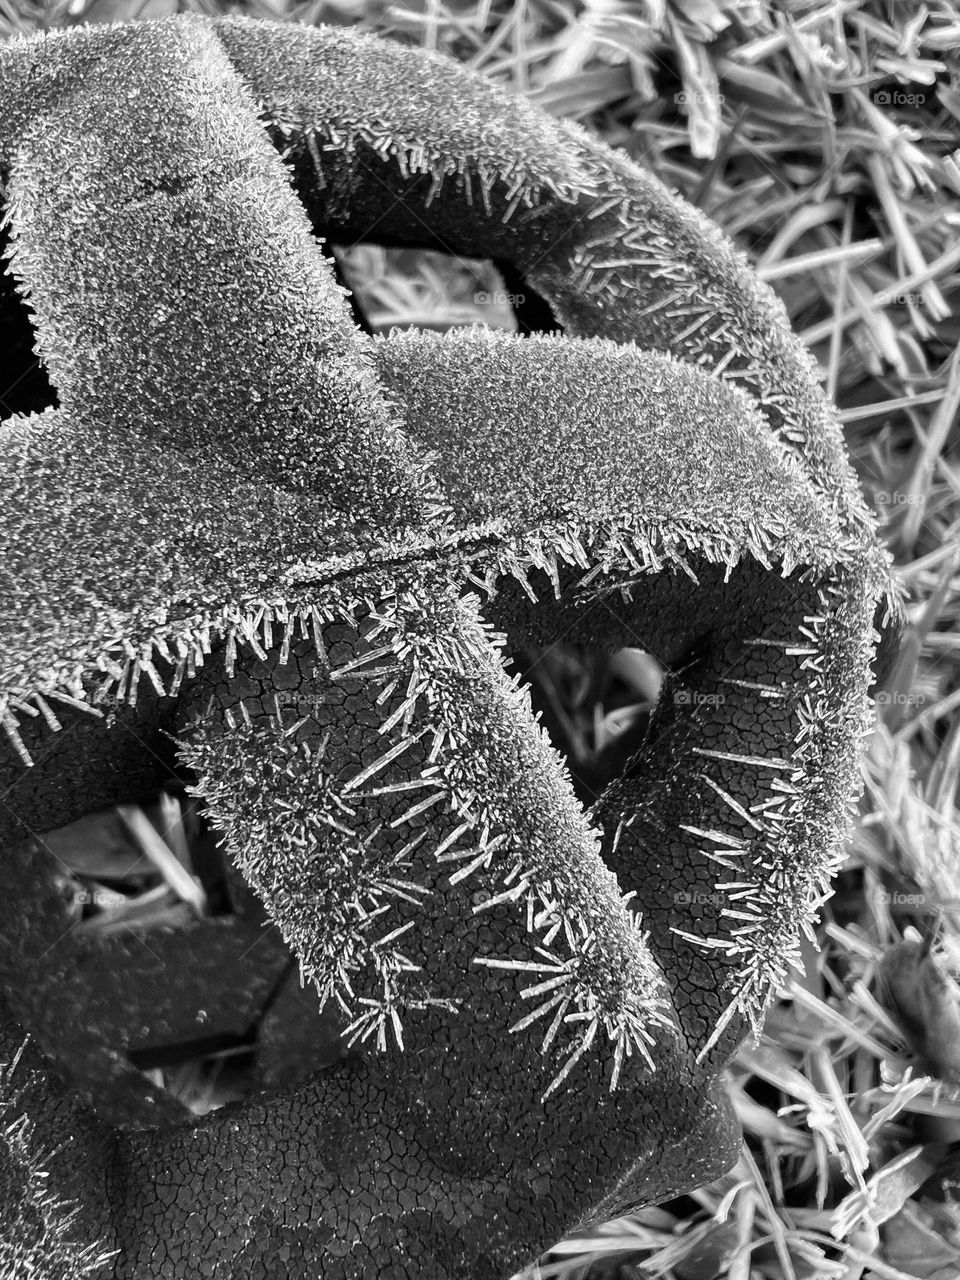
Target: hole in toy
{"points": [[202, 1075], [145, 866], [151, 974], [24, 385], [594, 706], [409, 288], [363, 199]]}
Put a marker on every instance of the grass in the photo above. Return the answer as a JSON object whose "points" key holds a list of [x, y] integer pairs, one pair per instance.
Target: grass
{"points": [[825, 139]]}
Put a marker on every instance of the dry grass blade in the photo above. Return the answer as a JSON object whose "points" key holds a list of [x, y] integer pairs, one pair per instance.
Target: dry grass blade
{"points": [[162, 856]]}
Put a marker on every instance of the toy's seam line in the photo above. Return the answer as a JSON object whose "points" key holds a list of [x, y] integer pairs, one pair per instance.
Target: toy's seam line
{"points": [[636, 549]]}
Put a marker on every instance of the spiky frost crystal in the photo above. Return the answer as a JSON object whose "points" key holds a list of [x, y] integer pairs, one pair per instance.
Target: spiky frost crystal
{"points": [[252, 531]]}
